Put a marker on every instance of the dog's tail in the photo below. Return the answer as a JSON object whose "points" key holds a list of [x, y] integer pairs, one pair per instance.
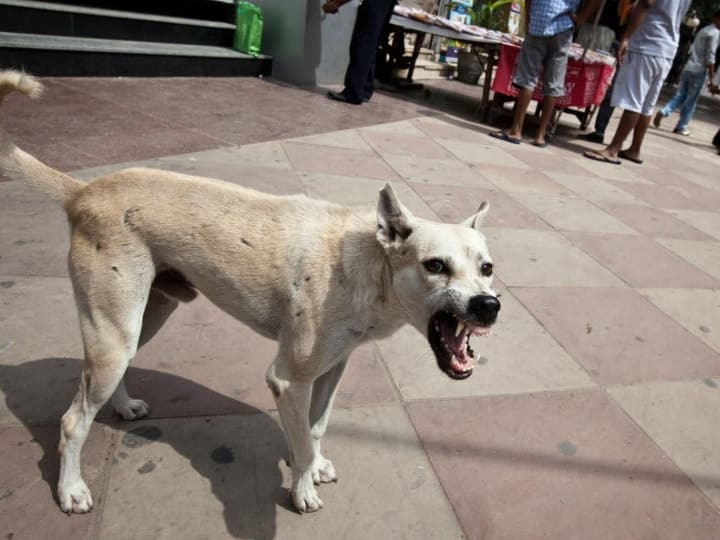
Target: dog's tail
{"points": [[19, 165]]}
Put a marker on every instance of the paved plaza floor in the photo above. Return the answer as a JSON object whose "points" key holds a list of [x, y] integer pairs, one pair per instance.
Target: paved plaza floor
{"points": [[593, 412]]}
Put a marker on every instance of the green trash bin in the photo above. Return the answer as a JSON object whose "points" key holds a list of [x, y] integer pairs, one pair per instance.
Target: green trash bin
{"points": [[248, 30]]}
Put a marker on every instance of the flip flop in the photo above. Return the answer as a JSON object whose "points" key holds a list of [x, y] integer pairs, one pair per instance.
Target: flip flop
{"points": [[623, 155], [597, 156], [540, 144], [503, 136]]}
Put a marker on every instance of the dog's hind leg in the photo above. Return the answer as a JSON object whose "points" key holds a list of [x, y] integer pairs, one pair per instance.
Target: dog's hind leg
{"points": [[323, 395], [157, 311], [110, 292]]}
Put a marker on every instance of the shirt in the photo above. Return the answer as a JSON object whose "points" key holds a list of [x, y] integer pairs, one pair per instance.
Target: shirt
{"points": [[550, 17], [659, 34], [703, 49]]}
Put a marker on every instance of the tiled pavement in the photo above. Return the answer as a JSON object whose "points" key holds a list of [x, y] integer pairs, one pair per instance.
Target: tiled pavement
{"points": [[594, 411]]}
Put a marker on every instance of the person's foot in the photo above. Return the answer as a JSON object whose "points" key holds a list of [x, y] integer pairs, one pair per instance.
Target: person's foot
{"points": [[592, 136], [602, 156], [340, 96], [682, 131], [658, 119], [505, 136], [635, 158]]}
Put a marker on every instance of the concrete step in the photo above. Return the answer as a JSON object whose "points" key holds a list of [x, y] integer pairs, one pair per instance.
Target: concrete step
{"points": [[211, 10], [73, 56], [24, 16]]}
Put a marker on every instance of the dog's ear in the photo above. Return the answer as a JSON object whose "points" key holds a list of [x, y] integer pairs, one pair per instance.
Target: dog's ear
{"points": [[392, 217], [475, 221]]}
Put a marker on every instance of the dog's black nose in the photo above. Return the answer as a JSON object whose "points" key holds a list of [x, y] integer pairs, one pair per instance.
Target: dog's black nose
{"points": [[484, 308]]}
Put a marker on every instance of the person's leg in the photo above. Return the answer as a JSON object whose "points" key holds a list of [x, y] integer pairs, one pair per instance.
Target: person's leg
{"points": [[371, 16], [695, 83], [638, 136], [369, 86], [654, 71], [525, 79], [628, 121], [680, 96], [548, 109], [604, 112], [630, 86], [554, 70], [521, 107]]}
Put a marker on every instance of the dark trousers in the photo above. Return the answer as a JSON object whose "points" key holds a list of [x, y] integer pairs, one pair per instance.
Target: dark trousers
{"points": [[605, 111], [716, 139], [372, 16]]}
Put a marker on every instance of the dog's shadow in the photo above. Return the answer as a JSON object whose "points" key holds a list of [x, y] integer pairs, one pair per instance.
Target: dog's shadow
{"points": [[239, 455]]}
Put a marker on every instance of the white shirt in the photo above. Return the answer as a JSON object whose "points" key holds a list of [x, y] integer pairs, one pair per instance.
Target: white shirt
{"points": [[702, 52], [659, 34]]}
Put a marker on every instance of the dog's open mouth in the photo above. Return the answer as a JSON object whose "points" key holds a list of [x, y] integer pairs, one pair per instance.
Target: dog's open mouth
{"points": [[449, 338]]}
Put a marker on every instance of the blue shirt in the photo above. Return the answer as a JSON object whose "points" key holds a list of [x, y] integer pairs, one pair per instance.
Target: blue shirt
{"points": [[550, 17]]}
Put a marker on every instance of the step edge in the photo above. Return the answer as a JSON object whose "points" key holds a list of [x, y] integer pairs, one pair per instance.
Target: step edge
{"points": [[117, 14], [115, 46]]}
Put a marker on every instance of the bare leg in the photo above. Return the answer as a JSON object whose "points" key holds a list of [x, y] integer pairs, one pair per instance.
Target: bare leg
{"points": [[638, 136], [628, 121], [523, 102], [323, 395], [547, 112]]}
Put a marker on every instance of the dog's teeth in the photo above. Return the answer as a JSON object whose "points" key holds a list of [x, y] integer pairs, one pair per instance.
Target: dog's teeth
{"points": [[459, 328]]}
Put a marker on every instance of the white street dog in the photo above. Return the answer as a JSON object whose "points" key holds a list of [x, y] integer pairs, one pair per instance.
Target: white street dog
{"points": [[319, 278]]}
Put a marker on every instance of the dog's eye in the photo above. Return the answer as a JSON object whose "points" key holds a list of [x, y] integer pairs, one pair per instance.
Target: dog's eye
{"points": [[486, 269], [435, 266]]}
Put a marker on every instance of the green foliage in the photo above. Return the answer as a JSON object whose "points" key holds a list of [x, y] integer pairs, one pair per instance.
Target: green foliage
{"points": [[493, 15]]}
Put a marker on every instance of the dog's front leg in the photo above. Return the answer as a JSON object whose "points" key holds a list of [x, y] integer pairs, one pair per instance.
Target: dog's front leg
{"points": [[323, 395], [293, 402]]}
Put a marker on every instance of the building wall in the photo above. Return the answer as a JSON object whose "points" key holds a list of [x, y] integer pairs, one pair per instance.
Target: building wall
{"points": [[308, 46]]}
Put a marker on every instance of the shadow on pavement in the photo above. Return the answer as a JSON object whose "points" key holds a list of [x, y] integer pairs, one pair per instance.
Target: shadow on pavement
{"points": [[249, 499], [501, 454]]}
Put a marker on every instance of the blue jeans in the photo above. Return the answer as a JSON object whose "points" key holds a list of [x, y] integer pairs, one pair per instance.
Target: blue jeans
{"points": [[686, 97]]}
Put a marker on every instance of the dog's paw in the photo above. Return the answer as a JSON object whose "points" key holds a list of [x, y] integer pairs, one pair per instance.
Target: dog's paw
{"points": [[76, 498], [323, 470], [305, 495], [132, 409]]}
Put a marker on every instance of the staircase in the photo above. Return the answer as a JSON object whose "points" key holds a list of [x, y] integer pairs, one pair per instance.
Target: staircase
{"points": [[124, 38]]}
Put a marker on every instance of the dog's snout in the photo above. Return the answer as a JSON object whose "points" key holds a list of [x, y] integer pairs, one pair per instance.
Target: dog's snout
{"points": [[484, 308]]}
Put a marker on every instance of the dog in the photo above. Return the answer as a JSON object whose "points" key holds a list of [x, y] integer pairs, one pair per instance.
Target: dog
{"points": [[318, 278]]}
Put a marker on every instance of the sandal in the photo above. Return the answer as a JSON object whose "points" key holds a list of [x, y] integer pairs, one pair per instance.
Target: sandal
{"points": [[597, 156], [503, 136]]}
